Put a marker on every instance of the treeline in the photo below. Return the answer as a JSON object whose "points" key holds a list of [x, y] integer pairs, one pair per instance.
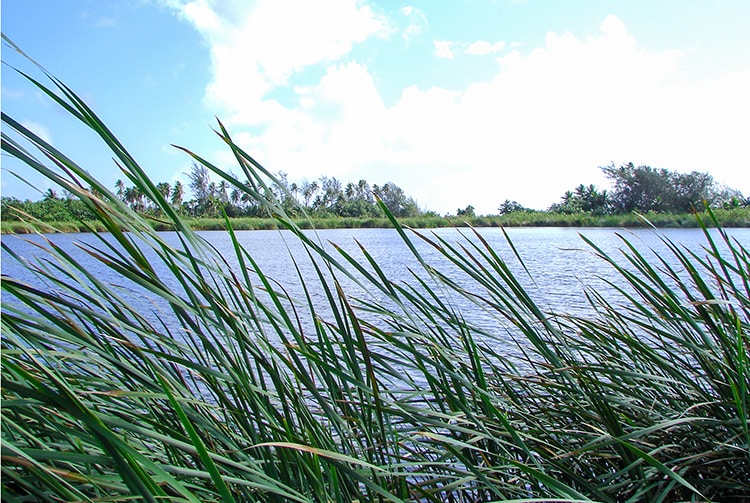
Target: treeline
{"points": [[641, 189], [53, 207], [325, 197], [321, 198], [646, 189]]}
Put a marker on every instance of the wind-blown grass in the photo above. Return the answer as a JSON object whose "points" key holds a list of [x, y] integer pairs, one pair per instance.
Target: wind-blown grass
{"points": [[236, 392]]}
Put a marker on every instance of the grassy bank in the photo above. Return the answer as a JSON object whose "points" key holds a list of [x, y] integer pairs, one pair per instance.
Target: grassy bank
{"points": [[739, 217], [230, 391]]}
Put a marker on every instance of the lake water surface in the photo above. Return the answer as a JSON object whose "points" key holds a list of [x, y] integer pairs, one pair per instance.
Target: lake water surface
{"points": [[560, 263]]}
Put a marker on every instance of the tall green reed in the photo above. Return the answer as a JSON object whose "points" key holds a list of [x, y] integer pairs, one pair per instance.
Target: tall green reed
{"points": [[236, 391]]}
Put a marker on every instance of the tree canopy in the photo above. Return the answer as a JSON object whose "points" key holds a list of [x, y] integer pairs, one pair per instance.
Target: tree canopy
{"points": [[324, 197], [644, 189], [633, 188]]}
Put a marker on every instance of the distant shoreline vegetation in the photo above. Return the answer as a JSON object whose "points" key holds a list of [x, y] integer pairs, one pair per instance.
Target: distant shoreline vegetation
{"points": [[731, 218], [665, 198]]}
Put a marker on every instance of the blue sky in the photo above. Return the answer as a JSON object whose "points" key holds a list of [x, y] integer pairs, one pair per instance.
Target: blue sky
{"points": [[457, 102]]}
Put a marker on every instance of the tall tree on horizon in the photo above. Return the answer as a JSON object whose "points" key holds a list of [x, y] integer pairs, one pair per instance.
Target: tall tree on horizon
{"points": [[643, 188], [199, 182], [178, 191], [119, 188]]}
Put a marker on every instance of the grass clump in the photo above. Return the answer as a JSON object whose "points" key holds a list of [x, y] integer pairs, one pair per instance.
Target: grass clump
{"points": [[231, 390]]}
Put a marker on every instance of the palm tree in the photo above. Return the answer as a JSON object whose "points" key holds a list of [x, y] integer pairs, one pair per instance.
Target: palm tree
{"points": [[128, 195], [235, 196], [363, 191], [177, 192], [294, 190], [309, 189], [120, 187], [50, 195], [134, 197], [222, 191], [164, 189]]}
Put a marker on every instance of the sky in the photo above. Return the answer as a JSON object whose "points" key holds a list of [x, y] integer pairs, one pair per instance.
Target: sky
{"points": [[462, 102]]}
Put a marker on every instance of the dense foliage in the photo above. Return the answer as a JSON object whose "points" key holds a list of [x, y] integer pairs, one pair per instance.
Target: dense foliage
{"points": [[323, 198], [320, 198], [639, 189], [366, 388], [49, 209], [646, 189]]}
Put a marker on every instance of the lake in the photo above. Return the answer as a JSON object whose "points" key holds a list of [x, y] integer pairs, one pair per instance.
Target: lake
{"points": [[561, 264]]}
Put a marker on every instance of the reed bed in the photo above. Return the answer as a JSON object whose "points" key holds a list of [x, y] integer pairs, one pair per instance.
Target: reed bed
{"points": [[734, 218], [234, 391], [27, 227]]}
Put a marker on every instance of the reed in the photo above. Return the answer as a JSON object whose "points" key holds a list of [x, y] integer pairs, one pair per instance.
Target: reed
{"points": [[234, 391]]}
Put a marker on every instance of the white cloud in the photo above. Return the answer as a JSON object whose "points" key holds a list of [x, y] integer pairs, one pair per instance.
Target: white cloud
{"points": [[416, 22], [542, 125], [199, 12], [443, 49], [482, 47], [337, 127], [258, 46]]}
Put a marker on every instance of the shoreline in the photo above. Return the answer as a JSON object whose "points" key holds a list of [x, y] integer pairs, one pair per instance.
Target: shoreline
{"points": [[736, 218]]}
